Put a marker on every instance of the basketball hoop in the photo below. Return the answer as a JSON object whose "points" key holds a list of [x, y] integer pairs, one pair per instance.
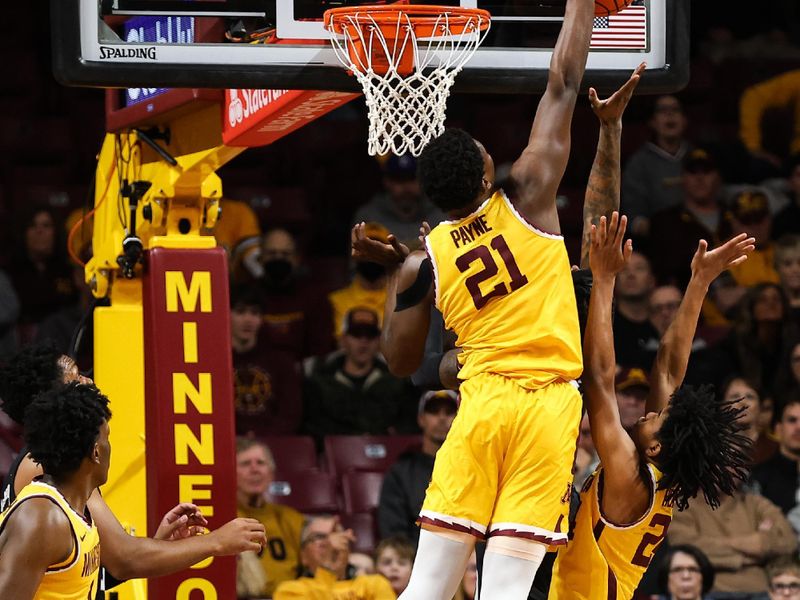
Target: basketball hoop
{"points": [[406, 58]]}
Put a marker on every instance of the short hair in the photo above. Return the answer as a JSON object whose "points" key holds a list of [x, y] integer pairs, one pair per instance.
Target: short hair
{"points": [[790, 399], [398, 543], [782, 566], [748, 381], [62, 425], [31, 371], [702, 447], [451, 170], [246, 295], [786, 244], [665, 563], [243, 443]]}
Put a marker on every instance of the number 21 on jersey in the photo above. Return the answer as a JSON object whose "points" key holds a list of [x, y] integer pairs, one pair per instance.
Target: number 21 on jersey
{"points": [[484, 254]]}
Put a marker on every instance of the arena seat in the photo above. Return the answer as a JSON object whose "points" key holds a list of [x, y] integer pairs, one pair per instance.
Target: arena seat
{"points": [[361, 491], [292, 453], [365, 452], [365, 530], [309, 492]]}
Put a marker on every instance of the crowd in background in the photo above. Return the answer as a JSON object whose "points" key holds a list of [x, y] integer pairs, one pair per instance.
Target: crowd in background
{"points": [[720, 158]]}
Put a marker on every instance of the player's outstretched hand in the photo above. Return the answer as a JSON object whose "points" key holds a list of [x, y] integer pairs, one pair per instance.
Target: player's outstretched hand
{"points": [[607, 254], [364, 248], [708, 265], [183, 521], [610, 110], [239, 535]]}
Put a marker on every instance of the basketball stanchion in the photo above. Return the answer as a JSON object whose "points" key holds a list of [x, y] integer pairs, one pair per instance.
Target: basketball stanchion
{"points": [[406, 58]]}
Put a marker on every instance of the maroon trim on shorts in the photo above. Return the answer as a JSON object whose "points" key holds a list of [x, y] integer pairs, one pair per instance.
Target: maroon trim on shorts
{"points": [[451, 526], [558, 523], [528, 535], [612, 585]]}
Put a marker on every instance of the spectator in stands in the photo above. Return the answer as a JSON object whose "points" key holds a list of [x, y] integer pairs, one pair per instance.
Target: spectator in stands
{"points": [[779, 477], [368, 288], [788, 219], [781, 92], [760, 339], [60, 327], [393, 558], [326, 570], [351, 392], [746, 393], [296, 313], [9, 312], [40, 273], [239, 232], [632, 328], [651, 181], [784, 579], [363, 564], [738, 553], [469, 584], [405, 483], [402, 207], [787, 263], [684, 573], [675, 231], [267, 382], [280, 559], [586, 459], [749, 213], [788, 385], [632, 387]]}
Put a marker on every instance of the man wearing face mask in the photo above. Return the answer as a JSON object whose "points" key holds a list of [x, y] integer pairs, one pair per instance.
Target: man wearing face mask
{"points": [[368, 288], [296, 314]]}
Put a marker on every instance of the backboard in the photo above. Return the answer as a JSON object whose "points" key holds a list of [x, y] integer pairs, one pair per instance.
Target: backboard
{"points": [[152, 44]]}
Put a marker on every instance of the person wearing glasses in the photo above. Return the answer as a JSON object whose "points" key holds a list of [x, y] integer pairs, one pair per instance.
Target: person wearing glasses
{"points": [[685, 573], [784, 579]]}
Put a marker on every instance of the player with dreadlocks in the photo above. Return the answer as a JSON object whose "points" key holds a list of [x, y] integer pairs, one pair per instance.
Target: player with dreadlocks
{"points": [[688, 443], [39, 368]]}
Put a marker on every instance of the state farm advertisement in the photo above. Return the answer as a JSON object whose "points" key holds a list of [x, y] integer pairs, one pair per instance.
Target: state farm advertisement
{"points": [[259, 117]]}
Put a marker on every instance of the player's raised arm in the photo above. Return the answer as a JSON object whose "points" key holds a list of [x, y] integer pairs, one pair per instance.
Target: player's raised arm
{"points": [[538, 171], [602, 191], [607, 257], [672, 359]]}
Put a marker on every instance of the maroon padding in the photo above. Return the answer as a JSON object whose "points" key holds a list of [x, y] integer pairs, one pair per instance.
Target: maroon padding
{"points": [[361, 491], [365, 530], [308, 492], [292, 453], [365, 452]]}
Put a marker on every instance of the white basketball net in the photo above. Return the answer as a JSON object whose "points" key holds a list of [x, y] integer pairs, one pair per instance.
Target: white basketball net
{"points": [[406, 112]]}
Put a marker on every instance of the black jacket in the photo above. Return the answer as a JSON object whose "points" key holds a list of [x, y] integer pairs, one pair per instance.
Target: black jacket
{"points": [[402, 494]]}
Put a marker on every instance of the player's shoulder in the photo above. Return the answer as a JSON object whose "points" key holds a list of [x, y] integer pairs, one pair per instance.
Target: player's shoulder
{"points": [[36, 517]]}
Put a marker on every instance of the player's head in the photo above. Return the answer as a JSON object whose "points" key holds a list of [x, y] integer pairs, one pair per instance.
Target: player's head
{"points": [[697, 444], [455, 171], [33, 370], [66, 429]]}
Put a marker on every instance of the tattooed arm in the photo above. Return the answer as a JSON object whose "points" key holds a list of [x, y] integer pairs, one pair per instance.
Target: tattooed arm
{"points": [[602, 191]]}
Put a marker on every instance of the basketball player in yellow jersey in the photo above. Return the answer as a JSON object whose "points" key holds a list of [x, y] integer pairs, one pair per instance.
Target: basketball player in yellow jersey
{"points": [[499, 273], [49, 545], [688, 443]]}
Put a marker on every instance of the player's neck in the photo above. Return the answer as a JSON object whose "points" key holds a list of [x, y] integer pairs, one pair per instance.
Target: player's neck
{"points": [[460, 213], [75, 489]]}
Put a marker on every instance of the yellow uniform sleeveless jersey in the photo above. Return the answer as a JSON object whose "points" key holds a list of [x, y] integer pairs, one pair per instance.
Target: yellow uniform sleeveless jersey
{"points": [[505, 288], [604, 560], [76, 577], [280, 558]]}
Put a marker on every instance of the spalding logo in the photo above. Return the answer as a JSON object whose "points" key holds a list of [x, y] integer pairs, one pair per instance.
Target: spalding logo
{"points": [[147, 52]]}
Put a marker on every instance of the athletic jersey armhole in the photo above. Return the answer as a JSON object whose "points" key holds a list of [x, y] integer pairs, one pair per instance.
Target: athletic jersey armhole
{"points": [[528, 225], [429, 252], [8, 493], [70, 561], [609, 522]]}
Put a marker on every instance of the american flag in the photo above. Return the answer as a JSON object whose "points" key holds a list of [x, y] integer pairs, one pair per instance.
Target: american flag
{"points": [[626, 29]]}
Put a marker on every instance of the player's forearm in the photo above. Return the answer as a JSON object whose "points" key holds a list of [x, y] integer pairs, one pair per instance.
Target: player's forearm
{"points": [[603, 189], [388, 347], [676, 346], [600, 359], [145, 557], [569, 55]]}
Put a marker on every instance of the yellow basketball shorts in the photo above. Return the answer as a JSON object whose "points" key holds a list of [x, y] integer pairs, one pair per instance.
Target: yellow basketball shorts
{"points": [[506, 465]]}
